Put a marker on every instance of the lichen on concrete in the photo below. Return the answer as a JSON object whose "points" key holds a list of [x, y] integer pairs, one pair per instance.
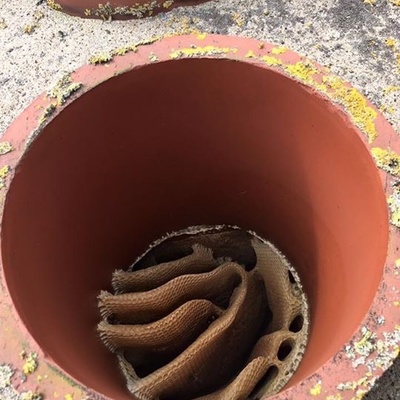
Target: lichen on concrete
{"points": [[105, 58], [302, 70], [9, 392], [30, 395], [370, 352], [316, 389], [271, 61], [100, 59], [197, 51], [387, 159], [31, 27], [6, 373], [64, 89], [48, 111], [54, 5], [153, 57], [355, 103], [336, 396], [394, 206], [5, 147], [108, 11], [279, 50], [30, 363], [3, 175]]}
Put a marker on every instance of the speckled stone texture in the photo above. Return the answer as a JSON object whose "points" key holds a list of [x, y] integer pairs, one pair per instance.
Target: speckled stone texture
{"points": [[359, 40]]}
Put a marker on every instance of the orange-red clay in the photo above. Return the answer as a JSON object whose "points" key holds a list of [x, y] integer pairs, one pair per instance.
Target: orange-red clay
{"points": [[204, 135]]}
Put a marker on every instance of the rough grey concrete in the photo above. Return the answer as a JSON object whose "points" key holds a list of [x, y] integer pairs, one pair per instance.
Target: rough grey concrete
{"points": [[388, 386], [37, 45]]}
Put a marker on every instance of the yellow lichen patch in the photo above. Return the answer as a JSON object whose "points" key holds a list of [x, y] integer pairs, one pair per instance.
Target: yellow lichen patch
{"points": [[353, 385], [38, 16], [3, 174], [374, 55], [68, 396], [397, 55], [120, 51], [279, 50], [271, 61], [201, 51], [316, 389], [54, 5], [168, 3], [138, 10], [3, 24], [395, 2], [391, 89], [365, 345], [397, 267], [395, 216], [394, 207], [356, 105], [100, 58], [201, 36], [387, 350], [153, 57], [360, 394], [5, 147], [238, 19], [390, 42], [64, 89], [397, 303], [146, 41], [385, 109], [388, 160], [29, 28], [370, 2], [31, 364], [104, 11], [337, 396], [250, 54], [302, 70], [47, 112]]}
